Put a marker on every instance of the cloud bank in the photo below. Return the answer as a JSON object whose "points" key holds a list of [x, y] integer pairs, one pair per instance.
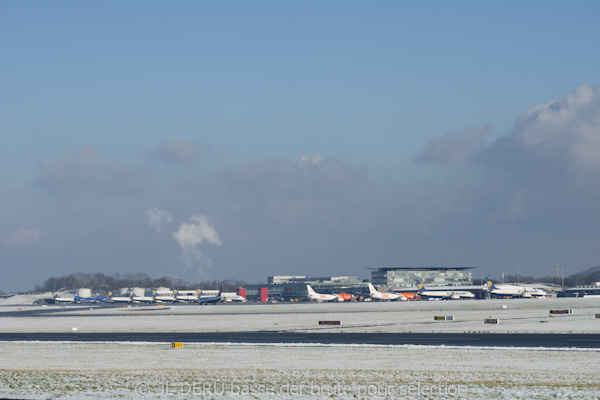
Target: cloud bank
{"points": [[546, 173], [455, 148], [83, 171], [312, 186], [176, 152]]}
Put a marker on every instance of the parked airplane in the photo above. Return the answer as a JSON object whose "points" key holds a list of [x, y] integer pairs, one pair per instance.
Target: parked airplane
{"points": [[534, 292], [443, 294], [210, 299], [140, 299], [347, 296], [410, 295], [185, 297], [102, 299], [159, 298], [79, 299], [58, 299], [384, 296], [312, 295], [505, 290], [118, 299], [233, 298]]}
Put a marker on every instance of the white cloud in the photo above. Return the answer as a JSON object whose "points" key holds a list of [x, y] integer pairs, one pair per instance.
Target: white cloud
{"points": [[157, 218], [190, 236], [545, 173], [563, 133], [23, 237]]}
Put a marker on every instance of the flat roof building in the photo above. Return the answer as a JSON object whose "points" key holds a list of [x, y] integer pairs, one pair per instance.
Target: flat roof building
{"points": [[310, 280], [405, 277], [294, 287]]}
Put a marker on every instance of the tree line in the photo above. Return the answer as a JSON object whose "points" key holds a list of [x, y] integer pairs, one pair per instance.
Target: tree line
{"points": [[104, 283]]}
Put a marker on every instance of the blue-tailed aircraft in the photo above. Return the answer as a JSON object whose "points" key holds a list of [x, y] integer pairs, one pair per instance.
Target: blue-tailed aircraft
{"points": [[162, 298], [202, 299], [443, 294], [139, 299], [102, 299], [79, 299], [58, 299], [118, 299], [504, 290]]}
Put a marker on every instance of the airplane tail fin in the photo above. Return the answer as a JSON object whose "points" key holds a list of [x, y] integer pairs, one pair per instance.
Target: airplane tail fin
{"points": [[310, 289], [372, 288], [489, 283], [420, 286]]}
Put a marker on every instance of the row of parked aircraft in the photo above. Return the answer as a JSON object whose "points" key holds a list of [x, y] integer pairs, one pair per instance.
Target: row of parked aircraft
{"points": [[377, 295], [131, 297], [503, 290]]}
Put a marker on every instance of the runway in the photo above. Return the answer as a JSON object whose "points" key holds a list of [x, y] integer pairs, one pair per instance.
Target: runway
{"points": [[436, 339]]}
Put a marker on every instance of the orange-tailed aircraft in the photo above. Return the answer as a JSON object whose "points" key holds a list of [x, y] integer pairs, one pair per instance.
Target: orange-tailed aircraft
{"points": [[411, 296], [347, 296]]}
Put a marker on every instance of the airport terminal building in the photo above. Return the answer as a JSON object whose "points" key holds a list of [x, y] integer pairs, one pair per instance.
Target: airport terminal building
{"points": [[405, 277], [293, 288]]}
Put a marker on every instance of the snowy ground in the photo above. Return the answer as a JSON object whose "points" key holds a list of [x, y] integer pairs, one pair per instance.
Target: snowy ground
{"points": [[519, 315], [226, 371], [155, 370]]}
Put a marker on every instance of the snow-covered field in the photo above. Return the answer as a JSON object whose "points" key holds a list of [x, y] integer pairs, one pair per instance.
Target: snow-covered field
{"points": [[155, 370], [519, 315]]}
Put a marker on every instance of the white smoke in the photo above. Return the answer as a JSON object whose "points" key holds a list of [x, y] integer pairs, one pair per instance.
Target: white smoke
{"points": [[190, 236], [157, 218]]}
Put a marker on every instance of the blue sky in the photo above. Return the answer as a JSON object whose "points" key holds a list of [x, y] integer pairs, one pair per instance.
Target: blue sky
{"points": [[297, 137]]}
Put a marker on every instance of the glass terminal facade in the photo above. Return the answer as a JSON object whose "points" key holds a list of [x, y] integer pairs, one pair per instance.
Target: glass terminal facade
{"points": [[406, 277]]}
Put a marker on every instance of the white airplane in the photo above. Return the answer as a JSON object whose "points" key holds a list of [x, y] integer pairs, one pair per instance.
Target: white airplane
{"points": [[140, 299], [312, 295], [512, 290], [533, 292], [384, 296], [233, 298], [206, 299], [118, 299], [184, 298], [79, 299], [443, 294], [58, 299], [162, 298]]}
